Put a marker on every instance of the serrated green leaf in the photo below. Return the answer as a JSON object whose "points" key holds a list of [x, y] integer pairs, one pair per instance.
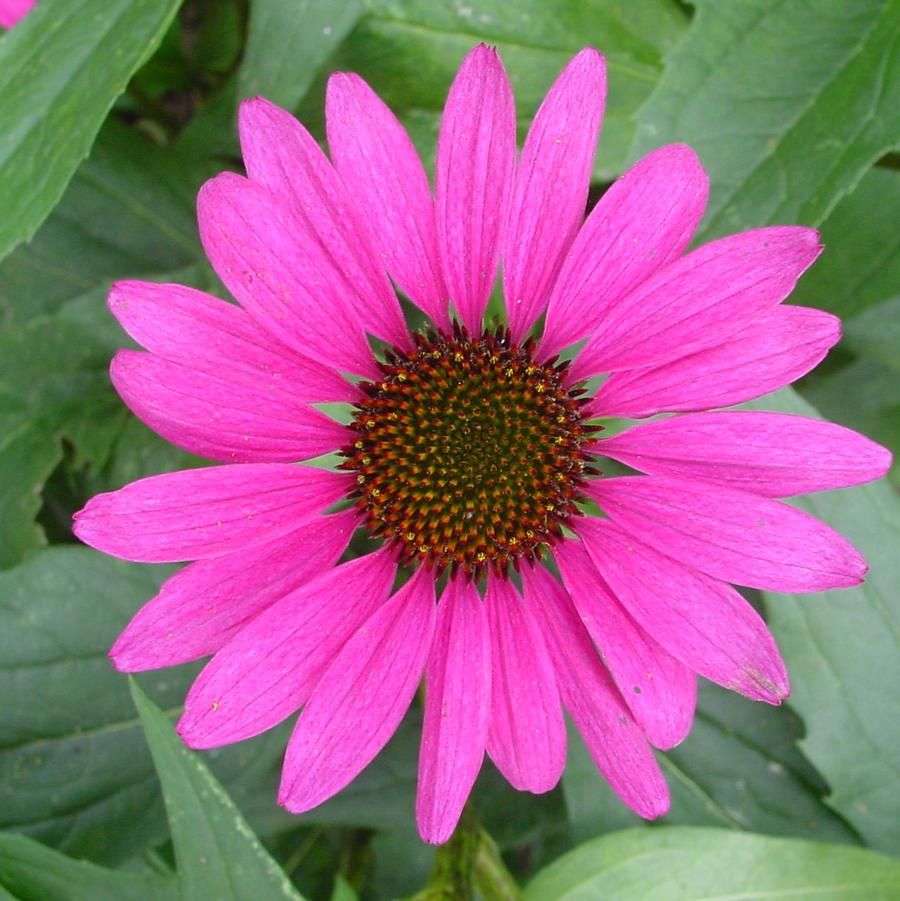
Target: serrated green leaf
{"points": [[843, 650], [687, 864], [75, 772], [218, 856], [738, 768], [788, 106], [287, 42], [29, 452], [128, 211], [60, 72], [409, 50], [32, 870]]}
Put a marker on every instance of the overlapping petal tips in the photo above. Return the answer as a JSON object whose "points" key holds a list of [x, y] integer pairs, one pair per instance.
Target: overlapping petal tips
{"points": [[269, 669], [772, 454], [700, 299], [198, 513], [474, 168], [188, 326], [202, 607], [642, 223], [615, 741], [264, 254], [731, 535], [383, 173], [527, 736], [703, 622], [457, 711], [660, 690], [360, 700], [281, 154], [229, 416], [550, 187], [767, 354]]}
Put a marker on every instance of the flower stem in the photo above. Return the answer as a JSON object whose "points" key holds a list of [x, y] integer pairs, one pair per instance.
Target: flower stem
{"points": [[493, 879], [468, 860]]}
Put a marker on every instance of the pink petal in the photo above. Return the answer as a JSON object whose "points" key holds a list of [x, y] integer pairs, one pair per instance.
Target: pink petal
{"points": [[268, 670], [701, 621], [616, 743], [661, 691], [360, 700], [264, 254], [527, 736], [772, 454], [643, 222], [188, 326], [474, 167], [236, 416], [700, 299], [551, 186], [765, 355], [204, 605], [457, 711], [200, 513], [383, 173], [13, 11], [731, 535], [282, 155]]}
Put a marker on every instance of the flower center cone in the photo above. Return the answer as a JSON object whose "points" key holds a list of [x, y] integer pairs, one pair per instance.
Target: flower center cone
{"points": [[469, 452]]}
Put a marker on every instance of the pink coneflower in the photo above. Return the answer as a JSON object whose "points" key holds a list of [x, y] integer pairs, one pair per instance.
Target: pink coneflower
{"points": [[13, 11], [473, 450]]}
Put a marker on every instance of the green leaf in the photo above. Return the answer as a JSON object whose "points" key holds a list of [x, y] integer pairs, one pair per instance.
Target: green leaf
{"points": [[129, 211], [75, 772], [409, 50], [60, 72], [843, 650], [875, 333], [680, 863], [53, 384], [31, 870], [29, 452], [218, 856], [288, 41], [739, 767], [787, 106], [864, 395], [861, 264]]}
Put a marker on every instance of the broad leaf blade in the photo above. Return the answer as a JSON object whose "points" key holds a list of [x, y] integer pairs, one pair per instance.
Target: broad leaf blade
{"points": [[218, 856], [60, 72], [861, 264], [74, 768], [31, 870], [809, 98], [287, 42], [127, 212], [739, 768], [843, 649], [679, 863]]}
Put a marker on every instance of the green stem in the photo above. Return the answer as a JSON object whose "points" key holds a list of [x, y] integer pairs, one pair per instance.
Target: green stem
{"points": [[468, 860], [493, 879]]}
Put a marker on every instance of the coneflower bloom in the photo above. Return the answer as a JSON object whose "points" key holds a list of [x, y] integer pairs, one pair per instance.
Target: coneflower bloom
{"points": [[528, 581], [13, 11]]}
